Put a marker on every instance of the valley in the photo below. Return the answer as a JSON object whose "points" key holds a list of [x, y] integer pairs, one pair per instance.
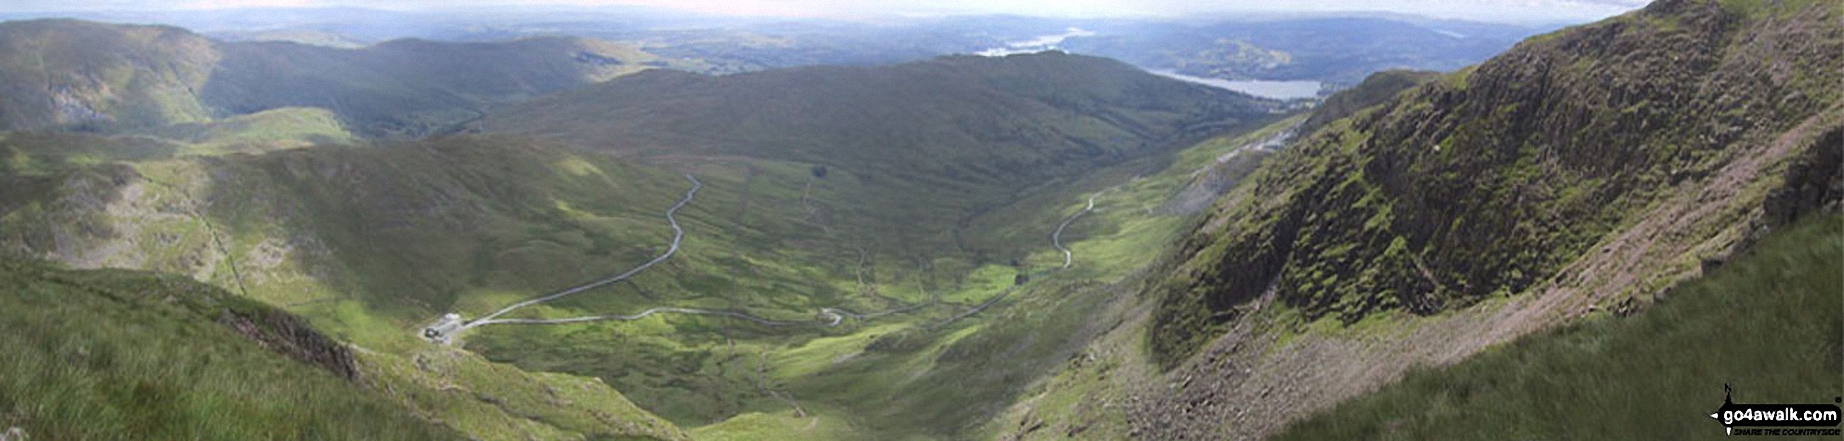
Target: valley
{"points": [[673, 227]]}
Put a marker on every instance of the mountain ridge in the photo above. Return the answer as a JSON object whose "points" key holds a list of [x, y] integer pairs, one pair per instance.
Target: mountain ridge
{"points": [[74, 74]]}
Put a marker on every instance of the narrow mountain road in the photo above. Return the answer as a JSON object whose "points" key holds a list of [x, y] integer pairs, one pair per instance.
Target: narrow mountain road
{"points": [[678, 236], [1056, 238], [445, 330]]}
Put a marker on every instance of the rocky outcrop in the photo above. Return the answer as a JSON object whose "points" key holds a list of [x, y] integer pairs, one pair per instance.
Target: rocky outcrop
{"points": [[289, 335], [1814, 183]]}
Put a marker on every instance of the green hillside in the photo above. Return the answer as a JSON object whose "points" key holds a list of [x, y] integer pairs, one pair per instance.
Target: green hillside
{"points": [[273, 129], [68, 73], [1778, 308], [117, 354], [409, 87]]}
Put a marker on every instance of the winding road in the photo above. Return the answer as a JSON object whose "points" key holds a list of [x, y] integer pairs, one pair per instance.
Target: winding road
{"points": [[678, 235], [1056, 238], [444, 331]]}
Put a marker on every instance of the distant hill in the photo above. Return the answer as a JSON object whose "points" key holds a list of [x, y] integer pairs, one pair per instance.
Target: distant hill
{"points": [[106, 77], [977, 128], [88, 75], [974, 118], [1339, 50], [409, 86]]}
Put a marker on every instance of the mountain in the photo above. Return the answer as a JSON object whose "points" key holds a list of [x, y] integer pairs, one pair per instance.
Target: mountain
{"points": [[1492, 179], [72, 73], [111, 78], [1051, 109], [409, 86], [965, 133], [1580, 173]]}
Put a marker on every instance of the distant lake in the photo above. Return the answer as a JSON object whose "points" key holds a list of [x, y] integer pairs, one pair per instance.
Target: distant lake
{"points": [[1035, 45], [1284, 90]]}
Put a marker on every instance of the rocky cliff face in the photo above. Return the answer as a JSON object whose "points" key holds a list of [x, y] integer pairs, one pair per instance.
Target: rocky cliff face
{"points": [[1492, 179]]}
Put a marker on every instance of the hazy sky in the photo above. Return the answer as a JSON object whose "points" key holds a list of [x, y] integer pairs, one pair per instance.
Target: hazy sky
{"points": [[1495, 10]]}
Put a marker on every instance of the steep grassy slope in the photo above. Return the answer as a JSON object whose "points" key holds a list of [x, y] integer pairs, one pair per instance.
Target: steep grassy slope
{"points": [[119, 355], [1778, 309], [93, 76], [1491, 180]]}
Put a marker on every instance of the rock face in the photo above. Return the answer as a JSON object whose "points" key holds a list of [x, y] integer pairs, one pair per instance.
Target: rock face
{"points": [[1815, 183], [1491, 179], [291, 336]]}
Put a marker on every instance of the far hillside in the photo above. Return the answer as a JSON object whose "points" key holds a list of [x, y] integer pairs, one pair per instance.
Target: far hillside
{"points": [[70, 74], [950, 138]]}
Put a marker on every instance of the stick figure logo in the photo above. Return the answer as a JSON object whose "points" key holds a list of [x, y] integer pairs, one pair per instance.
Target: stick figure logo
{"points": [[1733, 415]]}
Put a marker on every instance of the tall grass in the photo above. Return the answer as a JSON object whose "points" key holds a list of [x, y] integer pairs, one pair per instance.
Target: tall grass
{"points": [[1771, 325], [115, 355]]}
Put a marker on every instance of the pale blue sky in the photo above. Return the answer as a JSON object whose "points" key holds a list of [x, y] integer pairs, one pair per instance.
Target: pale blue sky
{"points": [[1494, 10]]}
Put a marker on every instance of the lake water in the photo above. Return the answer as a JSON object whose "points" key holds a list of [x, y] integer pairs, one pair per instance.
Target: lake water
{"points": [[1284, 90], [1034, 45]]}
